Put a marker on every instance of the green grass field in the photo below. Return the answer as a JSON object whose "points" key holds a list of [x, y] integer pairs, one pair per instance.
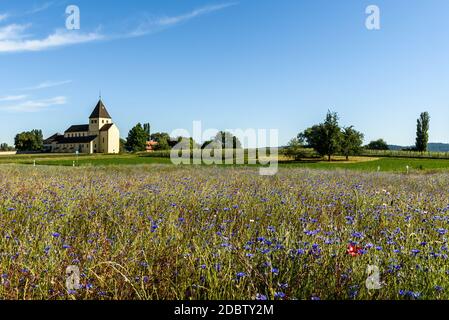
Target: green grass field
{"points": [[389, 164], [385, 164]]}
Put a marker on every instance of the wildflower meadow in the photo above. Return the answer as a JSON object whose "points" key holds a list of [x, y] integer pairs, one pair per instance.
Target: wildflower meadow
{"points": [[167, 232]]}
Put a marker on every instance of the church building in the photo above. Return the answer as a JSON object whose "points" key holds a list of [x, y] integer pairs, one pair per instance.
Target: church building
{"points": [[101, 135]]}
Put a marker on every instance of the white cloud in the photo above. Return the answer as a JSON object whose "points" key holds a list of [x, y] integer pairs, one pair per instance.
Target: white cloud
{"points": [[60, 38], [47, 84], [13, 32], [155, 24], [14, 39], [13, 98], [40, 8], [35, 105], [3, 16]]}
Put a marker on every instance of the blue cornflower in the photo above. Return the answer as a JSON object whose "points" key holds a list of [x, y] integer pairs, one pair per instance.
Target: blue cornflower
{"points": [[279, 295], [275, 271], [357, 235], [56, 235], [283, 285], [410, 294], [261, 297], [349, 220], [241, 275]]}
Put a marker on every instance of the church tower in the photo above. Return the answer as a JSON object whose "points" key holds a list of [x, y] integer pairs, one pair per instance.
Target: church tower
{"points": [[99, 118]]}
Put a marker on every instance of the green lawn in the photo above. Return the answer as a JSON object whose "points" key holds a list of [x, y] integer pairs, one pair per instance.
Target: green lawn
{"points": [[385, 164], [82, 160]]}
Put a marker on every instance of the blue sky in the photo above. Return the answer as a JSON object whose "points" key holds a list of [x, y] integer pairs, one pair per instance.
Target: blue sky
{"points": [[231, 64]]}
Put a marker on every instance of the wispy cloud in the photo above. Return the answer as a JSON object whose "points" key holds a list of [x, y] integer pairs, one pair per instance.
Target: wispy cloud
{"points": [[3, 16], [12, 98], [13, 32], [157, 23], [40, 8], [47, 84], [35, 105], [14, 40]]}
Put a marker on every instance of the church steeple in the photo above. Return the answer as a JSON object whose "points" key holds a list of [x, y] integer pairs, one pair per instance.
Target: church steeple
{"points": [[99, 117], [100, 111]]}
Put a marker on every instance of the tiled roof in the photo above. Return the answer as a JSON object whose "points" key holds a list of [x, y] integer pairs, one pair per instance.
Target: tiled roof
{"points": [[78, 128], [54, 137], [106, 127], [100, 111]]}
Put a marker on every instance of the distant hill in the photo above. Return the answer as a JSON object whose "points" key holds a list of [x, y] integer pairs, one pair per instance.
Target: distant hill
{"points": [[439, 147], [395, 147], [433, 146]]}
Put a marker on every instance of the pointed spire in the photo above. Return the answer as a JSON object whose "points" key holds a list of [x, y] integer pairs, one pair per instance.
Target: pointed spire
{"points": [[100, 111]]}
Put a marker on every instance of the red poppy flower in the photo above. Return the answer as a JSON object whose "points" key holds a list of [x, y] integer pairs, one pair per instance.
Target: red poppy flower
{"points": [[354, 250]]}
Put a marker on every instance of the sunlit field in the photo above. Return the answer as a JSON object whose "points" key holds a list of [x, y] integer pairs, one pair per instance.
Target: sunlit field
{"points": [[166, 232]]}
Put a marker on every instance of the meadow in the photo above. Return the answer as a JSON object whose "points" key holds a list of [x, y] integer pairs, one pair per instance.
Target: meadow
{"points": [[165, 232], [361, 163]]}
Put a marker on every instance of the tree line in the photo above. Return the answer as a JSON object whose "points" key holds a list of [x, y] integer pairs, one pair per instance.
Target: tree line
{"points": [[139, 135], [328, 139], [26, 141]]}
